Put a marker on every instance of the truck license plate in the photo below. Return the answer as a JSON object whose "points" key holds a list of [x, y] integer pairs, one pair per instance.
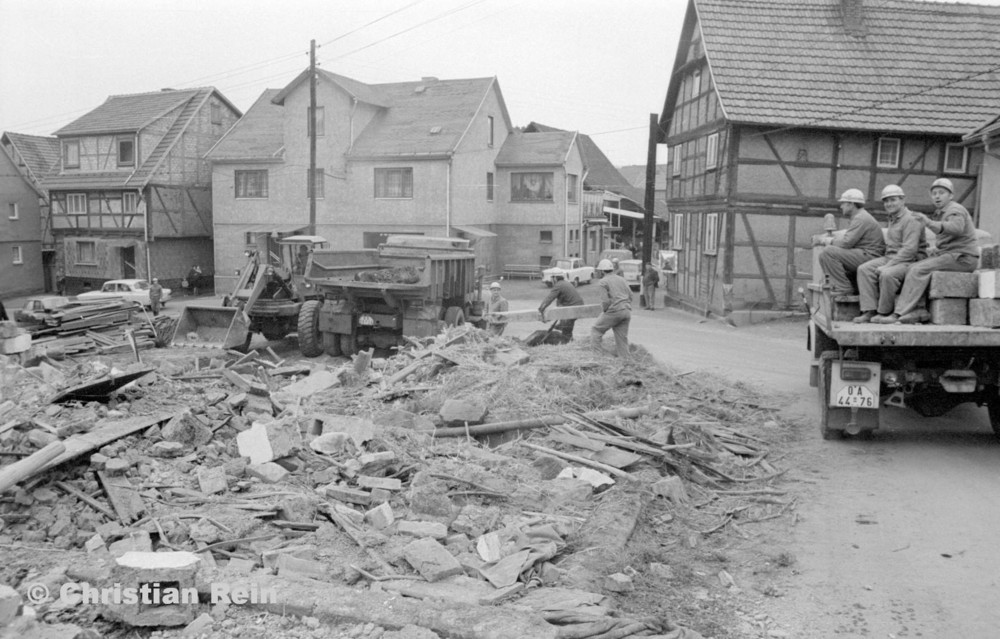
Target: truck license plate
{"points": [[856, 396]]}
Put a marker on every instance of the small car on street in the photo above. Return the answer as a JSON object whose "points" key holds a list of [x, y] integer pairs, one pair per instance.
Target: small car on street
{"points": [[36, 309], [130, 290]]}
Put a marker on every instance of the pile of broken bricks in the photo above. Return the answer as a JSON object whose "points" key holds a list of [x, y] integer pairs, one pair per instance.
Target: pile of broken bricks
{"points": [[250, 480]]}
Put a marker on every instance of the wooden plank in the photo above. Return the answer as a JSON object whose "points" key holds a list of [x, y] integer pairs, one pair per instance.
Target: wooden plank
{"points": [[124, 497], [105, 433], [31, 465], [552, 313]]}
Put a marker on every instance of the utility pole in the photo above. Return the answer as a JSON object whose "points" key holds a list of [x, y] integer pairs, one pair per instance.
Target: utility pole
{"points": [[647, 238], [312, 137]]}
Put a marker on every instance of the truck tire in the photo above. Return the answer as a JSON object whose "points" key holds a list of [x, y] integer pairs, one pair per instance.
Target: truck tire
{"points": [[993, 406], [576, 282], [348, 345], [309, 338], [825, 365], [454, 316]]}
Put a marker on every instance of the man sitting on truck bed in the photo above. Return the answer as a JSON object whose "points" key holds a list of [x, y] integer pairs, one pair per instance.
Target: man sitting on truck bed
{"points": [[879, 280], [954, 250], [861, 242]]}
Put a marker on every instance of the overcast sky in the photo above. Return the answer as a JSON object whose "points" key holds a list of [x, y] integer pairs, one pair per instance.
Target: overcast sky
{"points": [[595, 66]]}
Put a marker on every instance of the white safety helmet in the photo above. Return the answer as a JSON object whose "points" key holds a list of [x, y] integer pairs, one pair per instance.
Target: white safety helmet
{"points": [[855, 196], [944, 183], [605, 265], [893, 190], [495, 286]]}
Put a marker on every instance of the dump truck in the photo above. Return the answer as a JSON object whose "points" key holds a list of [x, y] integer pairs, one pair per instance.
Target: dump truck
{"points": [[267, 298], [410, 286], [862, 369]]}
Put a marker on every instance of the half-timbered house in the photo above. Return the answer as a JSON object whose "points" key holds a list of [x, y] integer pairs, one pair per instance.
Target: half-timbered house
{"points": [[775, 107]]}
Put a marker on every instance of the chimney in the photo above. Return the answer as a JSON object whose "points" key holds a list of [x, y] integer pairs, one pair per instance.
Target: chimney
{"points": [[854, 17]]}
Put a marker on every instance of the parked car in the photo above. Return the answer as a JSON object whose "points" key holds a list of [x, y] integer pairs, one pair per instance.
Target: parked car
{"points": [[632, 272], [611, 255], [130, 290], [37, 309], [572, 268]]}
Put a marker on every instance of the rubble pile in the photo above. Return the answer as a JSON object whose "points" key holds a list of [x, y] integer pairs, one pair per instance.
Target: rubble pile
{"points": [[484, 491]]}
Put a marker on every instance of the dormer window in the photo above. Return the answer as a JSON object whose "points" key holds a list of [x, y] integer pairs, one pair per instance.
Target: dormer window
{"points": [[71, 154], [126, 150]]}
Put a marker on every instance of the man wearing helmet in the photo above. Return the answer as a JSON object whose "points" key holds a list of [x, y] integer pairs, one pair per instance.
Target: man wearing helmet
{"points": [[879, 280], [861, 242], [563, 294], [954, 250], [616, 299]]}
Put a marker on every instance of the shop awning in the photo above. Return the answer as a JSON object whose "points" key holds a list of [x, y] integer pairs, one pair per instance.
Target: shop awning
{"points": [[635, 215]]}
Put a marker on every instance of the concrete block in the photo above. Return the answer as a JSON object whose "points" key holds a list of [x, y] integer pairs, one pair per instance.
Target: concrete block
{"points": [[297, 508], [349, 495], [290, 567], [455, 412], [380, 517], [269, 473], [474, 520], [265, 442], [989, 257], [165, 583], [167, 449], [212, 480], [380, 495], [989, 284], [94, 543], [984, 312], [186, 429], [41, 438], [619, 582], [949, 284], [240, 566], [358, 429], [201, 625], [376, 459], [117, 466], [432, 529], [270, 557], [951, 310], [385, 483], [10, 603], [136, 542], [431, 559], [98, 461], [14, 345]]}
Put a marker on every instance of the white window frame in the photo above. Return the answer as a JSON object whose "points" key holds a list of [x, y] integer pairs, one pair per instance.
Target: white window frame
{"points": [[677, 232], [73, 202], [384, 190], [519, 191], [572, 185], [242, 184], [17, 255], [130, 202], [675, 161], [695, 83], [711, 234], [948, 148], [897, 152], [80, 245], [712, 152], [15, 211], [130, 141]]}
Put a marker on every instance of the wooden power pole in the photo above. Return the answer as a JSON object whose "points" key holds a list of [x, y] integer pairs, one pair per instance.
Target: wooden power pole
{"points": [[312, 137], [647, 238]]}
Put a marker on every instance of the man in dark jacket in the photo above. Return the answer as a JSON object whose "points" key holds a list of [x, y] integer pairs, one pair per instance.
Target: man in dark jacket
{"points": [[650, 280], [563, 294]]}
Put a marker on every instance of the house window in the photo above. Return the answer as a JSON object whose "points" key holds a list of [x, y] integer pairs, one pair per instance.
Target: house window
{"points": [[71, 154], [16, 255], [216, 111], [130, 202], [696, 83], [712, 234], [545, 261], [320, 122], [126, 151], [76, 204], [251, 184], [86, 253], [712, 152], [888, 153], [393, 183], [489, 133], [545, 237], [571, 186], [531, 187], [955, 156], [318, 181], [12, 211], [489, 187], [677, 232], [675, 163]]}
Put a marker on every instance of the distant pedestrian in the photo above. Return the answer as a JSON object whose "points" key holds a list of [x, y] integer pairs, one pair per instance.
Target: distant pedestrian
{"points": [[61, 282], [194, 280], [650, 280], [155, 295], [497, 304]]}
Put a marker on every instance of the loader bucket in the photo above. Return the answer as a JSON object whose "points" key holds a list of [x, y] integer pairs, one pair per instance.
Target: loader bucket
{"points": [[212, 327]]}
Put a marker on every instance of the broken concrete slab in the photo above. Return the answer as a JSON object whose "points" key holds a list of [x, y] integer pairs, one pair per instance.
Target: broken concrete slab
{"points": [[431, 559], [431, 529], [212, 480], [269, 472], [166, 578], [457, 412], [265, 442]]}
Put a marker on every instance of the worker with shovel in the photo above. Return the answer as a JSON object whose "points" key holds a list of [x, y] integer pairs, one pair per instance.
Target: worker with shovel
{"points": [[563, 294]]}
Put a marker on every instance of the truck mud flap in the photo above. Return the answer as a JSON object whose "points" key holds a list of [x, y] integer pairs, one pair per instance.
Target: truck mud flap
{"points": [[212, 327]]}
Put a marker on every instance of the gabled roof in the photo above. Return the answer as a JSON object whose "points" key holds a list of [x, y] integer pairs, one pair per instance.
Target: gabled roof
{"points": [[636, 175], [425, 118], [257, 136], [536, 149], [40, 154], [133, 112], [913, 66], [601, 173], [363, 92]]}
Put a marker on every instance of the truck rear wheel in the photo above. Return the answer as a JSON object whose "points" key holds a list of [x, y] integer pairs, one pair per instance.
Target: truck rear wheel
{"points": [[825, 366], [993, 406], [309, 338], [454, 316]]}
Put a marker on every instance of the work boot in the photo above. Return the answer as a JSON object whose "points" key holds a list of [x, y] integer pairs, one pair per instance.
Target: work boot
{"points": [[886, 319], [864, 318], [919, 316]]}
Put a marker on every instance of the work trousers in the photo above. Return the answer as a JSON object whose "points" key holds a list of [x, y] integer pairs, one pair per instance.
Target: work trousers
{"points": [[566, 327], [154, 305], [840, 264], [918, 278], [649, 292], [878, 291], [618, 322]]}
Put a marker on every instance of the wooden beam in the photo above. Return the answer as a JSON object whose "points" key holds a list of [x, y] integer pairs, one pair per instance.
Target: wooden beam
{"points": [[781, 163], [759, 259]]}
